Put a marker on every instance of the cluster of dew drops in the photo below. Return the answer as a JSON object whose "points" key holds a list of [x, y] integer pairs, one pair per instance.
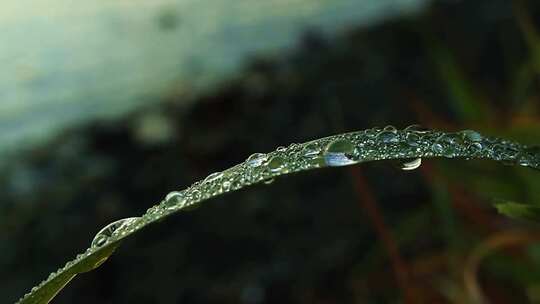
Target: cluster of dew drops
{"points": [[408, 145]]}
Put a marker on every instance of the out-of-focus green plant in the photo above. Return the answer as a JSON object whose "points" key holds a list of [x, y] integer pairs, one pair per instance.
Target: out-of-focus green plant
{"points": [[519, 210]]}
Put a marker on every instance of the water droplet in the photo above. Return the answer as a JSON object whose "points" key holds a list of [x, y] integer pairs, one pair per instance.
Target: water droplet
{"points": [[523, 161], [312, 155], [152, 210], [437, 148], [390, 129], [471, 135], [195, 195], [276, 164], [450, 145], [256, 159], [281, 149], [311, 151], [212, 177], [413, 140], [388, 137], [339, 152], [455, 139], [411, 164], [370, 133], [293, 146], [99, 240], [268, 181], [417, 129], [475, 147], [174, 200], [103, 236], [502, 152]]}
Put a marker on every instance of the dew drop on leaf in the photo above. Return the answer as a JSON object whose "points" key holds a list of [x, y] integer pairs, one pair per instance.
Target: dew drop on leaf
{"points": [[311, 151], [268, 181], [390, 129], [388, 137], [475, 147], [276, 164], [471, 135], [174, 200], [416, 129], [411, 164], [437, 148], [103, 236], [99, 240], [413, 140], [256, 159], [339, 153], [212, 177]]}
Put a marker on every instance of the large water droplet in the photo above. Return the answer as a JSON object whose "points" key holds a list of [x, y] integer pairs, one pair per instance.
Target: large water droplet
{"points": [[390, 128], [453, 139], [475, 147], [388, 137], [103, 236], [471, 135], [312, 154], [212, 177], [413, 140], [99, 240], [339, 153], [311, 151], [411, 164], [256, 159], [276, 164], [174, 200]]}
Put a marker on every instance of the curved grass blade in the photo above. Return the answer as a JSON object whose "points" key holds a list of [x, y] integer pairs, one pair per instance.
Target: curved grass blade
{"points": [[338, 150]]}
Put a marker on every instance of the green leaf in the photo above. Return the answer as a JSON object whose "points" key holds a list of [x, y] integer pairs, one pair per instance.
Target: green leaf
{"points": [[519, 211], [339, 150]]}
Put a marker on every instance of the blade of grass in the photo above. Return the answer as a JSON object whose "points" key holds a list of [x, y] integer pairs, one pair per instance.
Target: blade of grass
{"points": [[338, 150]]}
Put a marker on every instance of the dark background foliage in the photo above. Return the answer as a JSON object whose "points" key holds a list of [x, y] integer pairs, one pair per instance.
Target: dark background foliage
{"points": [[369, 234]]}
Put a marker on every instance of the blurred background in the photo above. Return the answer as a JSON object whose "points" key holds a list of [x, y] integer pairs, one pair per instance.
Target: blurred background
{"points": [[106, 106]]}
